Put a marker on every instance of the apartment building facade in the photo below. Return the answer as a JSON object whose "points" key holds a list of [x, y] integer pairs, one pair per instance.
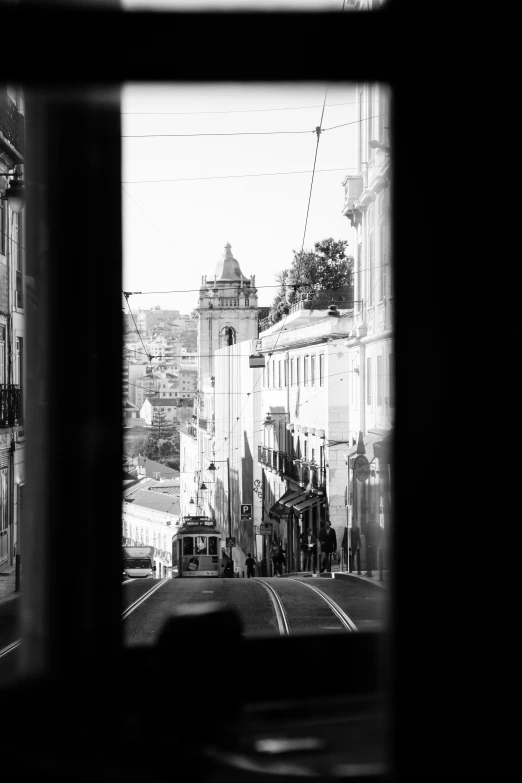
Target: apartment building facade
{"points": [[368, 207], [12, 324]]}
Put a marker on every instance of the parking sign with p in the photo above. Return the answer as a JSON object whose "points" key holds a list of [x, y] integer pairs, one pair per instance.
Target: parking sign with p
{"points": [[246, 511]]}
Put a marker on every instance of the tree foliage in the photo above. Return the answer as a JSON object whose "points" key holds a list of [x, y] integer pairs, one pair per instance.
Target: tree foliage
{"points": [[326, 267]]}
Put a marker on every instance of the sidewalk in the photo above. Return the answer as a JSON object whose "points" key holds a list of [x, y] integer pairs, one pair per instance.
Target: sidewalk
{"points": [[345, 575], [7, 583]]}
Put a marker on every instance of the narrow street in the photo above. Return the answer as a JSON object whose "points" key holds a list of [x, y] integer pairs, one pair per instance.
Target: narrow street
{"points": [[304, 609]]}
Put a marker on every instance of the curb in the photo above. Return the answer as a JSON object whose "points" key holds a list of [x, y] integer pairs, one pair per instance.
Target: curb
{"points": [[368, 580]]}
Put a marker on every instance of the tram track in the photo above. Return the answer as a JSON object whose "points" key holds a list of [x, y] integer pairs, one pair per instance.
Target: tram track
{"points": [[14, 645], [281, 613]]}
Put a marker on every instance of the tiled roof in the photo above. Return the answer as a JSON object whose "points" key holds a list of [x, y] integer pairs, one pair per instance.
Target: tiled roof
{"points": [[155, 500]]}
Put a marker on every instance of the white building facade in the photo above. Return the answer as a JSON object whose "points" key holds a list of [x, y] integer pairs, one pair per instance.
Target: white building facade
{"points": [[370, 344]]}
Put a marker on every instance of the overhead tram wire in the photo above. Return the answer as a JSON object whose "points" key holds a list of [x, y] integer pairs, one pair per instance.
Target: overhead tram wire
{"points": [[245, 133], [236, 176], [234, 111]]}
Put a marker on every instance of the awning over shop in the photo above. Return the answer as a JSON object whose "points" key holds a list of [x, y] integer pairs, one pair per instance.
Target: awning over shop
{"points": [[310, 503], [278, 510], [297, 497]]}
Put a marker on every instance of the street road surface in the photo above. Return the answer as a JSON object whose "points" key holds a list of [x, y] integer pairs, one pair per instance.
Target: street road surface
{"points": [[290, 606]]}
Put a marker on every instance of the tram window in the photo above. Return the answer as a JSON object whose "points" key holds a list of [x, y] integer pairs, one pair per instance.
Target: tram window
{"points": [[201, 545], [187, 546], [212, 545]]}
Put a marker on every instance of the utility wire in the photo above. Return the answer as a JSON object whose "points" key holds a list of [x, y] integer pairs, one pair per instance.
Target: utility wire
{"points": [[238, 111], [246, 133], [237, 176]]}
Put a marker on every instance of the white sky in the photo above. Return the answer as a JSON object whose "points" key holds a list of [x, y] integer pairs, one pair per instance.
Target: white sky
{"points": [[175, 232]]}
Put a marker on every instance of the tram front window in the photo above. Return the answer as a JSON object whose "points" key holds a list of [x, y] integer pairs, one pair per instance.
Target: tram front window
{"points": [[188, 546], [201, 545], [212, 545]]}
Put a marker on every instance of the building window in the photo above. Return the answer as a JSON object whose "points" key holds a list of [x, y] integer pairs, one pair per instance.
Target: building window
{"points": [[279, 374], [359, 274], [312, 370], [391, 378], [2, 227], [298, 371], [17, 239], [383, 116], [382, 247], [285, 370], [321, 369], [305, 449], [2, 354], [372, 268], [20, 373], [292, 372], [370, 120], [368, 381], [305, 370], [379, 381], [354, 384], [268, 374], [361, 125]]}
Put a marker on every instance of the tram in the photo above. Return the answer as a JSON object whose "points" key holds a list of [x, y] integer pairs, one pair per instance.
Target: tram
{"points": [[196, 548]]}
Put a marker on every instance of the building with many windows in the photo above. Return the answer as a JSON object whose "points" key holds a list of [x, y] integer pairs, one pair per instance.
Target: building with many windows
{"points": [[370, 345], [12, 325], [305, 427]]}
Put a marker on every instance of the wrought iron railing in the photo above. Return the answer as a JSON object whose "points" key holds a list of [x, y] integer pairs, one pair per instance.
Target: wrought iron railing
{"points": [[12, 123], [10, 405]]}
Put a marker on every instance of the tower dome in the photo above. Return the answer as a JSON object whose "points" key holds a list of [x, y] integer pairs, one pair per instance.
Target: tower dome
{"points": [[227, 267]]}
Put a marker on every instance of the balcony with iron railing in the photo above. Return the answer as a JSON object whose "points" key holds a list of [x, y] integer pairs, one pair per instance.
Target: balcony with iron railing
{"points": [[290, 467], [11, 413], [12, 126]]}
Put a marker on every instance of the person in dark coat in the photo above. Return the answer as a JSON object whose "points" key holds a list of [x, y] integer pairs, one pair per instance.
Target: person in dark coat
{"points": [[373, 535], [355, 545], [309, 548], [251, 566], [328, 541], [228, 571]]}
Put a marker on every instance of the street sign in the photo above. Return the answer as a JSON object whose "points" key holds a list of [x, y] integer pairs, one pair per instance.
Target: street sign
{"points": [[361, 468], [231, 541], [265, 530], [246, 511]]}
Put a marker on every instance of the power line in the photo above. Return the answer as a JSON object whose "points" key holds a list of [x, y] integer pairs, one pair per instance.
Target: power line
{"points": [[233, 133], [238, 176], [246, 133], [237, 111]]}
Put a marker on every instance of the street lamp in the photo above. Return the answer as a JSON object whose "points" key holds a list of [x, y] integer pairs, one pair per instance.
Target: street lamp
{"points": [[15, 192], [212, 466]]}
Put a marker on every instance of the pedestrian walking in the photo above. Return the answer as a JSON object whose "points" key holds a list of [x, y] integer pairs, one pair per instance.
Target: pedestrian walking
{"points": [[228, 571], [251, 566], [328, 541], [355, 547], [373, 535], [278, 558], [344, 546], [308, 548]]}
